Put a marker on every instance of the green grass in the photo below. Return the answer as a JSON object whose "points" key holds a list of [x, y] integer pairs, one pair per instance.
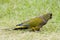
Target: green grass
{"points": [[13, 12]]}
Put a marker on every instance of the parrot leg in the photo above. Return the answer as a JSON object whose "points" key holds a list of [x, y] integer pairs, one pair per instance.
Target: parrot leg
{"points": [[35, 28]]}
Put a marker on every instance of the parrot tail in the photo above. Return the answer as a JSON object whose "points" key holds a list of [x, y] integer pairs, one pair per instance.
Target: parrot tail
{"points": [[20, 28]]}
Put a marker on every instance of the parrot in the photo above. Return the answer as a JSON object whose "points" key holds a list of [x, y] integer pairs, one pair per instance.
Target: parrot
{"points": [[36, 23]]}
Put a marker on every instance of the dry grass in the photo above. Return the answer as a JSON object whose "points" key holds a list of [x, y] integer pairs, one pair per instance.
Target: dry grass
{"points": [[20, 35]]}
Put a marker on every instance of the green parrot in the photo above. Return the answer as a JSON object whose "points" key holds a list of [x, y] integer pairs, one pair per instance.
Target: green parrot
{"points": [[35, 23]]}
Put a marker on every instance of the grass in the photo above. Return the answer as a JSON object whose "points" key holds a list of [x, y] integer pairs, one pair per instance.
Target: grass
{"points": [[13, 12]]}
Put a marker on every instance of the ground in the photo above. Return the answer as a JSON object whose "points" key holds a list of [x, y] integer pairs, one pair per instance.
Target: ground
{"points": [[13, 12]]}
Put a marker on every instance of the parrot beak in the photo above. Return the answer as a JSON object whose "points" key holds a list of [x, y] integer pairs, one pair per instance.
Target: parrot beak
{"points": [[50, 15]]}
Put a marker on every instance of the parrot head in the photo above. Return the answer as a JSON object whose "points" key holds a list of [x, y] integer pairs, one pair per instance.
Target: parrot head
{"points": [[47, 16]]}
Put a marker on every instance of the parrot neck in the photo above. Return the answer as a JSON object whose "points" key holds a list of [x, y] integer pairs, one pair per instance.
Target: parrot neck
{"points": [[44, 20]]}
